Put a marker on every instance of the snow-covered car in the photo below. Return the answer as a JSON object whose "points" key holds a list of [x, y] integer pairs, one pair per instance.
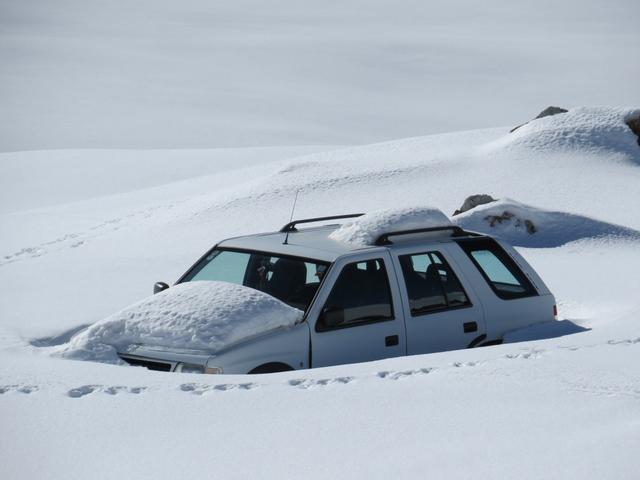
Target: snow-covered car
{"points": [[386, 293]]}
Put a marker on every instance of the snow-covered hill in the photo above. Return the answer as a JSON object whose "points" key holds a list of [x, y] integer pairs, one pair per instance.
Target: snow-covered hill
{"points": [[560, 400], [201, 74]]}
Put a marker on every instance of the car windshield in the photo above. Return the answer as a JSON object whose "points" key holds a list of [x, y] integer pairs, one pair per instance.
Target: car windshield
{"points": [[292, 280]]}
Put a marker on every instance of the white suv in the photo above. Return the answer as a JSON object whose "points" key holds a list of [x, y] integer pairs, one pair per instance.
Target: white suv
{"points": [[413, 292]]}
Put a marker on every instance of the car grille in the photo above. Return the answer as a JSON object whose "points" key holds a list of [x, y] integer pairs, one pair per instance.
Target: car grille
{"points": [[138, 362]]}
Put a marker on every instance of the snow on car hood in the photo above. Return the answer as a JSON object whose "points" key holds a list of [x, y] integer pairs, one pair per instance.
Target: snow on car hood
{"points": [[366, 229], [194, 315]]}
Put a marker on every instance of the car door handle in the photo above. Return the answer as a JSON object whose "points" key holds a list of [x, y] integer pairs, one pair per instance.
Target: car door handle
{"points": [[391, 341], [470, 327]]}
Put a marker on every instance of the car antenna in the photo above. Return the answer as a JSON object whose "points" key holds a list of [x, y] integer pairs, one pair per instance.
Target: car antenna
{"points": [[293, 209]]}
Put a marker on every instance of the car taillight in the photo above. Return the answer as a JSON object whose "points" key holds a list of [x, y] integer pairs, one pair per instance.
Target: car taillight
{"points": [[555, 312]]}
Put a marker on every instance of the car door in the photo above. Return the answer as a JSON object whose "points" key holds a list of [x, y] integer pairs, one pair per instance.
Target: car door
{"points": [[513, 295], [441, 310], [357, 315]]}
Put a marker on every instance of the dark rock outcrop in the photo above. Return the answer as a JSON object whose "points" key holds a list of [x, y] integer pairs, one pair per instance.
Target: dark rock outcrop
{"points": [[634, 125], [547, 112], [473, 201]]}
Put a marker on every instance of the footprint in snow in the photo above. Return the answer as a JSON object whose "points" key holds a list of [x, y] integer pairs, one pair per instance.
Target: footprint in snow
{"points": [[628, 341], [528, 355], [231, 386], [82, 391], [404, 374], [111, 390], [464, 364], [306, 383], [201, 389], [122, 389], [18, 388]]}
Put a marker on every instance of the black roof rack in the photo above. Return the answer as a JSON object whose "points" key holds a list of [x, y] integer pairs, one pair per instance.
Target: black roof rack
{"points": [[456, 232], [291, 226]]}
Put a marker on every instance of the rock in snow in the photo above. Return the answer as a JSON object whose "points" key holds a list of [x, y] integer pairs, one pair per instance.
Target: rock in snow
{"points": [[547, 112], [634, 125], [473, 201], [195, 315], [366, 229]]}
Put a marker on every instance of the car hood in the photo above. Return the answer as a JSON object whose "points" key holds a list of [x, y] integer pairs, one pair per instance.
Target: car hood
{"points": [[193, 318]]}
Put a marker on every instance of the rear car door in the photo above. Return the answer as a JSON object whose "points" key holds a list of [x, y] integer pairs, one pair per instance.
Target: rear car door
{"points": [[357, 315], [441, 310], [513, 295]]}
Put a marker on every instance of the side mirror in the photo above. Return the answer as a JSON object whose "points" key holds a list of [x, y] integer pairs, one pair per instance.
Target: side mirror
{"points": [[332, 316], [159, 286]]}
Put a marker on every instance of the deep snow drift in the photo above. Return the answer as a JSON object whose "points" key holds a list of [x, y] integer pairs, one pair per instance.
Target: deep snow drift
{"points": [[556, 404], [527, 226], [207, 316], [589, 129]]}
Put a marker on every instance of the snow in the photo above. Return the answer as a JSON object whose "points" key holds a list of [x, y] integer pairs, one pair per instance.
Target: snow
{"points": [[156, 74], [206, 316], [587, 129], [32, 179], [364, 230], [509, 220], [561, 400]]}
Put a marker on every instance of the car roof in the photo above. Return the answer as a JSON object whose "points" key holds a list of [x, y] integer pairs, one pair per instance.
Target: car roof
{"points": [[315, 242]]}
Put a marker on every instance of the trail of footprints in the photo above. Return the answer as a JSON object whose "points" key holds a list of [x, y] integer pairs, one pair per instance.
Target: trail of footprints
{"points": [[404, 374], [202, 388], [301, 383], [109, 390], [306, 383], [75, 240], [311, 383], [24, 389]]}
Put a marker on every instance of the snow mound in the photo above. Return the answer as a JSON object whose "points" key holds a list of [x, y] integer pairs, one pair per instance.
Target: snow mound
{"points": [[365, 230], [194, 315], [527, 226], [587, 129]]}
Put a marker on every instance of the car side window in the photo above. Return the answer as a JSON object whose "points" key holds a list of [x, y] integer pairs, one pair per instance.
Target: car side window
{"points": [[431, 284], [499, 270], [359, 296]]}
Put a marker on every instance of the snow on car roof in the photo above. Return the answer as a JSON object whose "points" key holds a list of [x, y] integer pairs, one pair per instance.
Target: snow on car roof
{"points": [[329, 242], [365, 230]]}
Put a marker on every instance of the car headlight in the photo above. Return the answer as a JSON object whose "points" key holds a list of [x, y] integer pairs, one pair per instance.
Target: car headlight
{"points": [[213, 370], [189, 368]]}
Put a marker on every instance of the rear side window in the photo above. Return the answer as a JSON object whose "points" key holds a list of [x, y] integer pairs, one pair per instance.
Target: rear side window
{"points": [[498, 268], [359, 296], [431, 284]]}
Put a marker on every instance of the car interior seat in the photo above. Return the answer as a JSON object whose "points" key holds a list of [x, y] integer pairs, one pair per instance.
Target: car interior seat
{"points": [[288, 276]]}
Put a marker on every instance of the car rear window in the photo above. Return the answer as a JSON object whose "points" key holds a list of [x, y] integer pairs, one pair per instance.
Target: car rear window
{"points": [[499, 270]]}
